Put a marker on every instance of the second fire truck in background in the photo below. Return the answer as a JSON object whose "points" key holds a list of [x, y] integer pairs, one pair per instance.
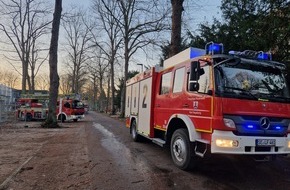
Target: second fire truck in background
{"points": [[37, 109]]}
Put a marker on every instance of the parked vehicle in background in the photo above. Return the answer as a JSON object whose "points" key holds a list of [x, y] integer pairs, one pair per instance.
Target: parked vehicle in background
{"points": [[31, 109], [70, 109]]}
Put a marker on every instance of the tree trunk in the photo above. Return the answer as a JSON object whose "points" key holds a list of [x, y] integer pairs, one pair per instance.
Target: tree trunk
{"points": [[24, 78], [54, 78], [112, 87], [177, 9], [95, 92], [123, 91], [101, 98], [32, 82], [108, 97], [29, 83]]}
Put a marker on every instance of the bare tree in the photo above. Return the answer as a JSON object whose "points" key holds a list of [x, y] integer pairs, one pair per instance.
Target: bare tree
{"points": [[77, 36], [98, 67], [89, 95], [65, 84], [94, 89], [24, 23], [139, 20], [177, 8], [51, 120], [42, 82], [107, 12], [9, 78]]}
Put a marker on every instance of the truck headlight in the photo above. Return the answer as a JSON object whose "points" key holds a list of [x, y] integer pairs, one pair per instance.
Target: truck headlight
{"points": [[227, 143], [229, 123]]}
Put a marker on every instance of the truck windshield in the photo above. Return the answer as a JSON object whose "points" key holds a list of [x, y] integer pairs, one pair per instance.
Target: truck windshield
{"points": [[77, 104], [251, 79]]}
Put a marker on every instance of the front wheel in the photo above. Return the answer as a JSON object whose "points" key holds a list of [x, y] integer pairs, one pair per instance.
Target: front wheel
{"points": [[182, 150]]}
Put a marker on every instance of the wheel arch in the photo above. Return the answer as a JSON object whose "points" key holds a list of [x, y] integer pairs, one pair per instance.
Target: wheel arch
{"points": [[178, 121], [62, 113]]}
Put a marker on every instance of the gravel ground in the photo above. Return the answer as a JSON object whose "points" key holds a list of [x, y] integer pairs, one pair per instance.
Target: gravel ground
{"points": [[32, 157]]}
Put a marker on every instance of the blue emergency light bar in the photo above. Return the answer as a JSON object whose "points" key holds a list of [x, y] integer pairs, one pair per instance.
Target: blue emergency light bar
{"points": [[264, 56], [252, 54], [214, 48]]}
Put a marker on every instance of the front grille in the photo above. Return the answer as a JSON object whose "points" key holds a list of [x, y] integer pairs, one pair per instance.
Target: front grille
{"points": [[251, 125], [37, 115]]}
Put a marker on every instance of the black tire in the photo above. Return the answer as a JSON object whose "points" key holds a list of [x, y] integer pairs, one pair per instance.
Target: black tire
{"points": [[75, 120], [182, 150], [22, 116], [28, 117], [133, 131]]}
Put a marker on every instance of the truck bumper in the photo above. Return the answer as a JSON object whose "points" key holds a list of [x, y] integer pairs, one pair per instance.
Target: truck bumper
{"points": [[229, 143], [72, 117], [79, 116]]}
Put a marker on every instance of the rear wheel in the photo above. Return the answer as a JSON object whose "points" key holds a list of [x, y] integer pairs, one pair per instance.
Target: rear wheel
{"points": [[135, 135], [75, 120], [28, 117], [182, 150]]}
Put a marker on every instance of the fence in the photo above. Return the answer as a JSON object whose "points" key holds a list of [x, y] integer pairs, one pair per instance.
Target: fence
{"points": [[7, 104]]}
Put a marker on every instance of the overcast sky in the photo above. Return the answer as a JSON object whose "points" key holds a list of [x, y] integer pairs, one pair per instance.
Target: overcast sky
{"points": [[196, 12]]}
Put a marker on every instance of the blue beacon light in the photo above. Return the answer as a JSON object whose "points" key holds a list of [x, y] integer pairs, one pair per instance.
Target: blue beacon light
{"points": [[264, 56], [213, 48]]}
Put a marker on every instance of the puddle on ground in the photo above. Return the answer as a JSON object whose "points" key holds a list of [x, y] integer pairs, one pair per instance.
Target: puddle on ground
{"points": [[121, 153], [128, 163]]}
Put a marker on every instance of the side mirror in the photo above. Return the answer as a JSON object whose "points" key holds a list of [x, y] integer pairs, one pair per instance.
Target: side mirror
{"points": [[195, 73], [193, 86]]}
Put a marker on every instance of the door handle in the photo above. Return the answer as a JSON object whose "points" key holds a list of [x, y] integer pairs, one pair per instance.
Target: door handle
{"points": [[157, 105]]}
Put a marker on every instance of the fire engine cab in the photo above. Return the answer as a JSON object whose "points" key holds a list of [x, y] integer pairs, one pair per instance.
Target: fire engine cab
{"points": [[70, 110], [204, 101]]}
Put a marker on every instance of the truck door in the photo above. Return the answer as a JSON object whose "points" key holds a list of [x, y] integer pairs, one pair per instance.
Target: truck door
{"points": [[162, 107], [200, 102], [144, 119], [169, 101]]}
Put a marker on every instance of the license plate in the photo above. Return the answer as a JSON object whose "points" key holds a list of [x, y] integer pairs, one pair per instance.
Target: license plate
{"points": [[265, 142]]}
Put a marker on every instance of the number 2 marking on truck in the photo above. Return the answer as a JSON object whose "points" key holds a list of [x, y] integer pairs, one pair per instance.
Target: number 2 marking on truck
{"points": [[145, 89]]}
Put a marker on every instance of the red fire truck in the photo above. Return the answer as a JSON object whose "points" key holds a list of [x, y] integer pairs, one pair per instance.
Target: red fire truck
{"points": [[205, 101], [70, 109], [67, 109], [31, 109]]}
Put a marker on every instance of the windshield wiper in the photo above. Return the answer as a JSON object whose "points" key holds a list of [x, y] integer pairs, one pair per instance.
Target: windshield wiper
{"points": [[242, 90]]}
